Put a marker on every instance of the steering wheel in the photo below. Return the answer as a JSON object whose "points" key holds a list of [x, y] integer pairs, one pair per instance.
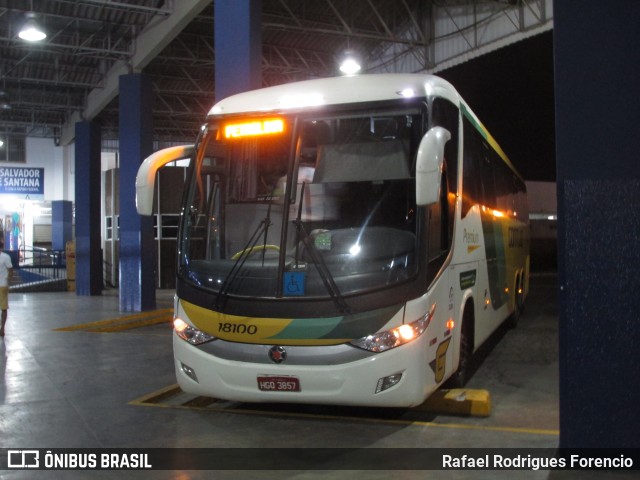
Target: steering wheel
{"points": [[254, 249]]}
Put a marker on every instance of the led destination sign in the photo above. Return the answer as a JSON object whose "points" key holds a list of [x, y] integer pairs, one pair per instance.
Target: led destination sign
{"points": [[254, 128]]}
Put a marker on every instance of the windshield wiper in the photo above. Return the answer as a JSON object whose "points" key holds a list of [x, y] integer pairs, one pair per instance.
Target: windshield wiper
{"points": [[268, 223], [318, 261], [223, 293]]}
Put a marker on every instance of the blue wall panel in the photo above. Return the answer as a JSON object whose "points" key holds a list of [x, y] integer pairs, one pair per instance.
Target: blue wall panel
{"points": [[61, 223], [597, 74]]}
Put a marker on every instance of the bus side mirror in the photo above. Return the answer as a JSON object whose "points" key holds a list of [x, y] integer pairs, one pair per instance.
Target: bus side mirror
{"points": [[429, 165], [146, 177]]}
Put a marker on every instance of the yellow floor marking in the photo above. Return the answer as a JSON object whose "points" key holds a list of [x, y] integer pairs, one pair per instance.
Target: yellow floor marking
{"points": [[157, 398], [126, 322]]}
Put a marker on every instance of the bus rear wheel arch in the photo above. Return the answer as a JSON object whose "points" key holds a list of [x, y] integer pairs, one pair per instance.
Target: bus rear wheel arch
{"points": [[518, 301]]}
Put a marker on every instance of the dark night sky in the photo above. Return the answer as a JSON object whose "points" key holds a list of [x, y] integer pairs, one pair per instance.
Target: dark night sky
{"points": [[511, 91]]}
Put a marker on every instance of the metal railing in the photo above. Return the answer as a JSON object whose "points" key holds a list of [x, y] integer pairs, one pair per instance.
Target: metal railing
{"points": [[38, 269]]}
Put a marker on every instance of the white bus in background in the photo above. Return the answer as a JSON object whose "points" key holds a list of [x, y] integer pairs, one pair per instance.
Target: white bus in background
{"points": [[346, 240]]}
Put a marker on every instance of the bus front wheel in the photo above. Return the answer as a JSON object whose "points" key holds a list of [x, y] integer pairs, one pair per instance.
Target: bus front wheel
{"points": [[461, 376]]}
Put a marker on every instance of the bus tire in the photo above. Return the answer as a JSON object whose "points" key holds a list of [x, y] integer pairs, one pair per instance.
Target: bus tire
{"points": [[518, 306], [463, 373]]}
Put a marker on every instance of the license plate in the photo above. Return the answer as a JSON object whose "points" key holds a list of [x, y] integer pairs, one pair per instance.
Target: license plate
{"points": [[270, 383]]}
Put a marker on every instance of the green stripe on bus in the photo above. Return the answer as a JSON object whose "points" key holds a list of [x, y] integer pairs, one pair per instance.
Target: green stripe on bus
{"points": [[486, 135]]}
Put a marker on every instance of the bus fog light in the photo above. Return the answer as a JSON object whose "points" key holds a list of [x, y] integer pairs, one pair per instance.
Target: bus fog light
{"points": [[386, 383], [189, 372]]}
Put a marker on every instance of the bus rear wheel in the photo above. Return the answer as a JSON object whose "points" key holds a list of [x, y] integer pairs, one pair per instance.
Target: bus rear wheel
{"points": [[518, 306]]}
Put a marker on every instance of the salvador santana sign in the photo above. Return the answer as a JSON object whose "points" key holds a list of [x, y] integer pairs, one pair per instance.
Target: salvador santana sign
{"points": [[22, 181]]}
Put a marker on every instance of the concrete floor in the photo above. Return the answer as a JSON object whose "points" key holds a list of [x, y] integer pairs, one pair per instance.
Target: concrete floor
{"points": [[79, 389]]}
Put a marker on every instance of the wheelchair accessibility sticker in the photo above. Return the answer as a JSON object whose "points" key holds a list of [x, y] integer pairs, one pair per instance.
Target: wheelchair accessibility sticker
{"points": [[294, 283]]}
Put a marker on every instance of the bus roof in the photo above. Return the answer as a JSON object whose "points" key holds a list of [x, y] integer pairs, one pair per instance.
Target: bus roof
{"points": [[336, 91], [350, 89]]}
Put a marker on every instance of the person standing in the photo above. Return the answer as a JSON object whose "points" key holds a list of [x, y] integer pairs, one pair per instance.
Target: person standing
{"points": [[5, 269]]}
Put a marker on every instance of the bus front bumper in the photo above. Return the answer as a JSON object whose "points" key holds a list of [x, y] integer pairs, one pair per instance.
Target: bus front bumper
{"points": [[354, 383]]}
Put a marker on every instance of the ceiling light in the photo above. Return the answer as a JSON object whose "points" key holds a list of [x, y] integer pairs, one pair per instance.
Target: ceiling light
{"points": [[407, 92], [4, 101], [31, 30], [350, 64]]}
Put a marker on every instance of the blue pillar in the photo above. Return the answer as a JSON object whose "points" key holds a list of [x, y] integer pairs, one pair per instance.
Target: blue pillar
{"points": [[87, 196], [238, 46], [61, 223], [597, 144], [137, 247]]}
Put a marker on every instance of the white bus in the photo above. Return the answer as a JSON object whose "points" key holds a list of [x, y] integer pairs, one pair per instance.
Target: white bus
{"points": [[343, 241]]}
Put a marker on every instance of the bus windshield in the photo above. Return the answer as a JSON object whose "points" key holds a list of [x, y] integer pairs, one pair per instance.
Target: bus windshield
{"points": [[301, 206]]}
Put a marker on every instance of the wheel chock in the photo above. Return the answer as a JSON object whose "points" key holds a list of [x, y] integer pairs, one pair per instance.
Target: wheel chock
{"points": [[459, 401]]}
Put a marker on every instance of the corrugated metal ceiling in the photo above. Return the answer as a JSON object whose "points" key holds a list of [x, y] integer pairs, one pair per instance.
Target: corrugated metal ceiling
{"points": [[47, 83]]}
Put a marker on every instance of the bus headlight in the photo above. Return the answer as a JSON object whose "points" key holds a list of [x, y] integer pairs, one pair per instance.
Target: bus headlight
{"points": [[189, 333], [381, 341]]}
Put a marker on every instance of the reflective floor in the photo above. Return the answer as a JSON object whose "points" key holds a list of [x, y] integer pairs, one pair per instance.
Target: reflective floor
{"points": [[67, 387]]}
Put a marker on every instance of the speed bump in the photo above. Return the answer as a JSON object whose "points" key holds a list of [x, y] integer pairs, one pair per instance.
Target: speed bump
{"points": [[459, 401]]}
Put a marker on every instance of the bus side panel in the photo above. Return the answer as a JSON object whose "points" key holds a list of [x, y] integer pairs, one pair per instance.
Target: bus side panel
{"points": [[441, 340], [473, 280], [516, 236]]}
